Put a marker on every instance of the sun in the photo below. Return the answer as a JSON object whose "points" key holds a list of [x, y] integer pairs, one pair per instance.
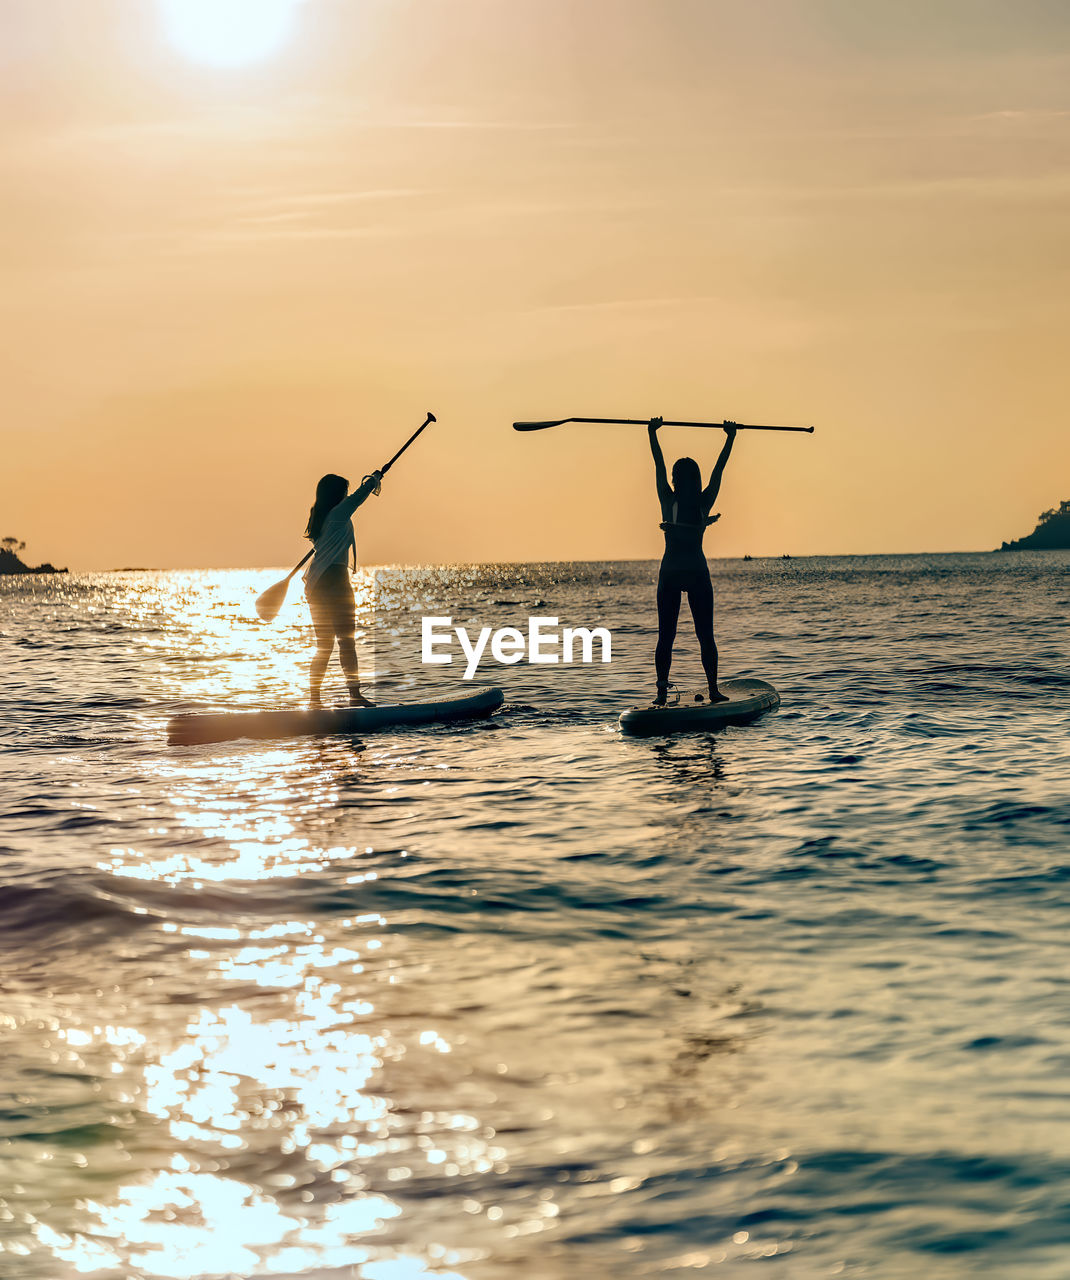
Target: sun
{"points": [[229, 33]]}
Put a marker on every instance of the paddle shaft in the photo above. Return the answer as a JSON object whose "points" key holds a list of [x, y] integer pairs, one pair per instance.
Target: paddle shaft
{"points": [[426, 423], [642, 422], [303, 561]]}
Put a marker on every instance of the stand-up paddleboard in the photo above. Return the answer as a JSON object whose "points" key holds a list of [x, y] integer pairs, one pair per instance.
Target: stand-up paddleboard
{"points": [[693, 711], [193, 728]]}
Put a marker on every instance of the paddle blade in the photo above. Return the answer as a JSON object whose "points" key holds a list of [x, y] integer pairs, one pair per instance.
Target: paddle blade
{"points": [[539, 426], [269, 604]]}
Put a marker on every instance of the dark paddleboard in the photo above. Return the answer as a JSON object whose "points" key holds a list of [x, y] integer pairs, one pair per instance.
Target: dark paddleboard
{"points": [[747, 699], [194, 728]]}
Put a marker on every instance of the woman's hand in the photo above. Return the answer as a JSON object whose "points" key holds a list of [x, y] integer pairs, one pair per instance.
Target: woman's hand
{"points": [[729, 429], [653, 425]]}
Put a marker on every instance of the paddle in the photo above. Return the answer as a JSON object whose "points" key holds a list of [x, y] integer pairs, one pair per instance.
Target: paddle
{"points": [[269, 604], [642, 422]]}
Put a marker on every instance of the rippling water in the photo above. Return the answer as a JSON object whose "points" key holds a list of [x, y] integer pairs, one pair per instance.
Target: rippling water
{"points": [[524, 997]]}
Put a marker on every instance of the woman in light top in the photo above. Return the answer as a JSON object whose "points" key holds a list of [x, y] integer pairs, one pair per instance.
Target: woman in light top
{"points": [[327, 586], [685, 514]]}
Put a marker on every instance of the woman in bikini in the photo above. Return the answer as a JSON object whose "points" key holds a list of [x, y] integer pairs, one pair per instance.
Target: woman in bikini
{"points": [[685, 514], [327, 586]]}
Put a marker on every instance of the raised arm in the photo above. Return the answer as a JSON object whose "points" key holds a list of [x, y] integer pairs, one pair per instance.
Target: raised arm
{"points": [[368, 486], [661, 477], [709, 494]]}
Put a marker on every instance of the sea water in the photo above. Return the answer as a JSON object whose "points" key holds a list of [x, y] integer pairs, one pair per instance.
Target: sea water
{"points": [[524, 997]]}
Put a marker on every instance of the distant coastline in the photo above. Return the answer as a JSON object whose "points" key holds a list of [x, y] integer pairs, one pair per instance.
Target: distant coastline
{"points": [[10, 562], [1051, 534]]}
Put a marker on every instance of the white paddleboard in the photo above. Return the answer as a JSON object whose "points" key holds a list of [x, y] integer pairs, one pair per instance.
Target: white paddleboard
{"points": [[692, 710], [224, 726]]}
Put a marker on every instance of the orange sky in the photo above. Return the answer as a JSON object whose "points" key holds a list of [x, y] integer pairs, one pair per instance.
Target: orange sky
{"points": [[221, 282]]}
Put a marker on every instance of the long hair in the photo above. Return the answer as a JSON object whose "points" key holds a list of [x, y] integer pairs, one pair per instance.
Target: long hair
{"points": [[687, 485], [329, 493]]}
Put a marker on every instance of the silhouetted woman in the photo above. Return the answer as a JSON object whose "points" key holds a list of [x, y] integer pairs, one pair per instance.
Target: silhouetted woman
{"points": [[685, 513], [327, 586]]}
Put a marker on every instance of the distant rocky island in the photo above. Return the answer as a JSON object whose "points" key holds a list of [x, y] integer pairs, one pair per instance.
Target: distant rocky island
{"points": [[10, 562], [1052, 531]]}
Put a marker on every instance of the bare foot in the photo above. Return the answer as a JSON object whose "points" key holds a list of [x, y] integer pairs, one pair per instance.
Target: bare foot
{"points": [[359, 700], [717, 696], [661, 697]]}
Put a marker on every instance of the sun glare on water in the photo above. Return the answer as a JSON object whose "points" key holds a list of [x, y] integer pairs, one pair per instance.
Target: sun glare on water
{"points": [[229, 33]]}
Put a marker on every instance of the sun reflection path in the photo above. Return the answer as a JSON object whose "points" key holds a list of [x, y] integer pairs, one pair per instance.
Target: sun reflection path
{"points": [[279, 1135], [326, 1062], [288, 1112], [239, 820]]}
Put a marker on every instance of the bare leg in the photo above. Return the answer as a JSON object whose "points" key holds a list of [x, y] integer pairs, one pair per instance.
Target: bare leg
{"points": [[668, 615], [347, 656], [700, 600], [318, 669]]}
